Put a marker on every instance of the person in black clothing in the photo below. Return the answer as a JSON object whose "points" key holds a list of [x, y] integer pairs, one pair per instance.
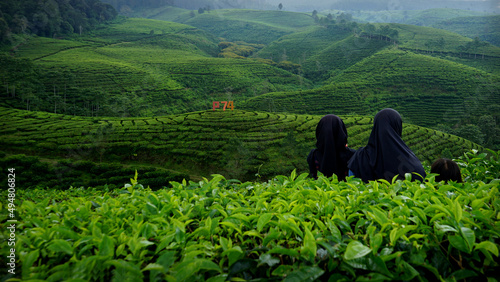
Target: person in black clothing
{"points": [[447, 170], [331, 153], [386, 154]]}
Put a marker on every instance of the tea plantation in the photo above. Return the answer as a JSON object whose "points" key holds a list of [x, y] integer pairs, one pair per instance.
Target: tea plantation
{"points": [[156, 67], [233, 143], [116, 165]]}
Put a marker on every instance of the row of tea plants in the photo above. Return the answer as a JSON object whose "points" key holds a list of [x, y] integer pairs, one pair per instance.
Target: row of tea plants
{"points": [[290, 228]]}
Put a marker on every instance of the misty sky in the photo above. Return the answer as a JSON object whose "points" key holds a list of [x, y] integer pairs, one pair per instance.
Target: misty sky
{"points": [[307, 5]]}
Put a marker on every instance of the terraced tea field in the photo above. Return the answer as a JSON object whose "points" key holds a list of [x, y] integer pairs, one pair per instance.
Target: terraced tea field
{"points": [[148, 67], [237, 143], [446, 91], [250, 25]]}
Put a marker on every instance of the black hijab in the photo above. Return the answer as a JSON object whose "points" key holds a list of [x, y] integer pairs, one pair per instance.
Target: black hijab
{"points": [[386, 154], [331, 155]]}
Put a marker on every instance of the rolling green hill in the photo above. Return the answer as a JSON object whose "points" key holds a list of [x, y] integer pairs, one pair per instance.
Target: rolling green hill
{"points": [[426, 90], [340, 55], [250, 25], [486, 28], [324, 51], [238, 144], [140, 67], [145, 67], [299, 46], [426, 17], [164, 13], [427, 38], [431, 16]]}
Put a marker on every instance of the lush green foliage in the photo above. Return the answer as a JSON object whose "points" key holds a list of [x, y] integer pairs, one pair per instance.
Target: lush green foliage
{"points": [[33, 172], [237, 143], [289, 228], [396, 68], [51, 18], [480, 166]]}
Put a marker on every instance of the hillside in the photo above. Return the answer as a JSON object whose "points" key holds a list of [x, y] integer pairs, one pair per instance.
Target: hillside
{"points": [[409, 82], [238, 144], [146, 67], [432, 16], [253, 26], [323, 51], [320, 50], [427, 17], [485, 28], [250, 25], [137, 67]]}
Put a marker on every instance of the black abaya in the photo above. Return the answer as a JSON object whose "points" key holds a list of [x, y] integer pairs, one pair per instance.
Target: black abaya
{"points": [[386, 154], [331, 153]]}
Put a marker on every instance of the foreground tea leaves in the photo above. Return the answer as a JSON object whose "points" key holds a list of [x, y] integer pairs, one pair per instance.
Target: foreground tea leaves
{"points": [[289, 228]]}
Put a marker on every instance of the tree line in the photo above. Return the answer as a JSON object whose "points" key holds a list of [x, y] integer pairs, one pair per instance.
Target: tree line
{"points": [[345, 20], [51, 18], [126, 6]]}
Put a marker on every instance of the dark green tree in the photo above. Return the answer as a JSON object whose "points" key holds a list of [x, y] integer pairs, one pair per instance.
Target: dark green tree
{"points": [[52, 17], [471, 132], [490, 130]]}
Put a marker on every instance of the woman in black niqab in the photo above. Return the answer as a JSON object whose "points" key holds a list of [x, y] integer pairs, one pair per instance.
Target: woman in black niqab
{"points": [[386, 154], [331, 153]]}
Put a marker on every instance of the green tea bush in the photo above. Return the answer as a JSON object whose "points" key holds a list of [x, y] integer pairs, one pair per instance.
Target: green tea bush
{"points": [[290, 228], [480, 166], [32, 172]]}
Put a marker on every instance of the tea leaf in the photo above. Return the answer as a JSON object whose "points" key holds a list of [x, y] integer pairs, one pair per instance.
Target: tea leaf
{"points": [[378, 215], [470, 238], [489, 246], [267, 259], [61, 246], [459, 243], [396, 233], [283, 251], [457, 211], [187, 269], [29, 260], [337, 236], [309, 248], [152, 266], [310, 273], [356, 249], [106, 247]]}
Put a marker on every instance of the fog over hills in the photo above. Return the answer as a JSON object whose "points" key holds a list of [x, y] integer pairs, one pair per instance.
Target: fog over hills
{"points": [[491, 6], [487, 6]]}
